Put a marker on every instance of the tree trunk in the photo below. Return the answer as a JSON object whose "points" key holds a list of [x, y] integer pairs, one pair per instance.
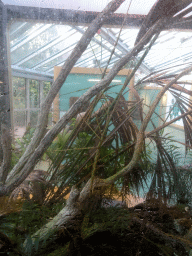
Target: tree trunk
{"points": [[69, 219], [45, 107]]}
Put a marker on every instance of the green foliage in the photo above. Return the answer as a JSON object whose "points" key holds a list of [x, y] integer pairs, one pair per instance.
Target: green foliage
{"points": [[19, 93], [112, 218], [57, 145], [168, 182], [34, 93], [20, 146], [172, 149], [19, 226], [60, 251], [185, 184], [32, 216]]}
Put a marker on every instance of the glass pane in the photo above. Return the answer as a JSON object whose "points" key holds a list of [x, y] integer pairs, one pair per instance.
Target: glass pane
{"points": [[19, 93], [23, 32], [58, 51], [46, 88], [50, 118], [19, 118], [33, 45], [33, 118], [34, 93]]}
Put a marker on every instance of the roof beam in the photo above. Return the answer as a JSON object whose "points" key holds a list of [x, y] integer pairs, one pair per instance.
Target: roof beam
{"points": [[31, 74], [49, 15]]}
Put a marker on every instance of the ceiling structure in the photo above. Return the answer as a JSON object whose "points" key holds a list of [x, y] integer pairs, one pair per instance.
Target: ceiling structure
{"points": [[37, 47], [136, 7]]}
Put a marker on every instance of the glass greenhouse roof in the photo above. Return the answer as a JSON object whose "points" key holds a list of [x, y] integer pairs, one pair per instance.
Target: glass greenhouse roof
{"points": [[39, 47]]}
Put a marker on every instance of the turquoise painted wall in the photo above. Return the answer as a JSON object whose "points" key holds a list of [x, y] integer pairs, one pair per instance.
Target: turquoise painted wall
{"points": [[77, 84]]}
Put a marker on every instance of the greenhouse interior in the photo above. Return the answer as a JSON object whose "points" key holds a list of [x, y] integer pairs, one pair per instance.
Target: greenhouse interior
{"points": [[96, 127]]}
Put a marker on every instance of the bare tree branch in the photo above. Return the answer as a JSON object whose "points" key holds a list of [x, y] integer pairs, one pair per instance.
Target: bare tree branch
{"points": [[18, 178], [68, 65], [168, 123], [161, 82]]}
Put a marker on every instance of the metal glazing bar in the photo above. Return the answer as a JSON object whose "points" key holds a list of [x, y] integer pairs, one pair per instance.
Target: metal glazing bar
{"points": [[31, 74], [53, 42], [18, 28], [109, 36], [97, 41], [56, 55], [30, 37]]}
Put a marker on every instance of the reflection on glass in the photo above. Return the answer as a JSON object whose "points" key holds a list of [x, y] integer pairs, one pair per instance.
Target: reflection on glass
{"points": [[18, 93], [34, 94]]}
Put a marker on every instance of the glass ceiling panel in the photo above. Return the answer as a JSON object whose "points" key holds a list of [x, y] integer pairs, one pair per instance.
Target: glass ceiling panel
{"points": [[15, 26], [42, 51], [92, 64], [54, 59], [34, 44], [17, 29], [172, 48], [89, 53], [128, 36], [34, 54], [87, 60], [97, 57], [59, 50], [28, 30], [51, 51]]}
